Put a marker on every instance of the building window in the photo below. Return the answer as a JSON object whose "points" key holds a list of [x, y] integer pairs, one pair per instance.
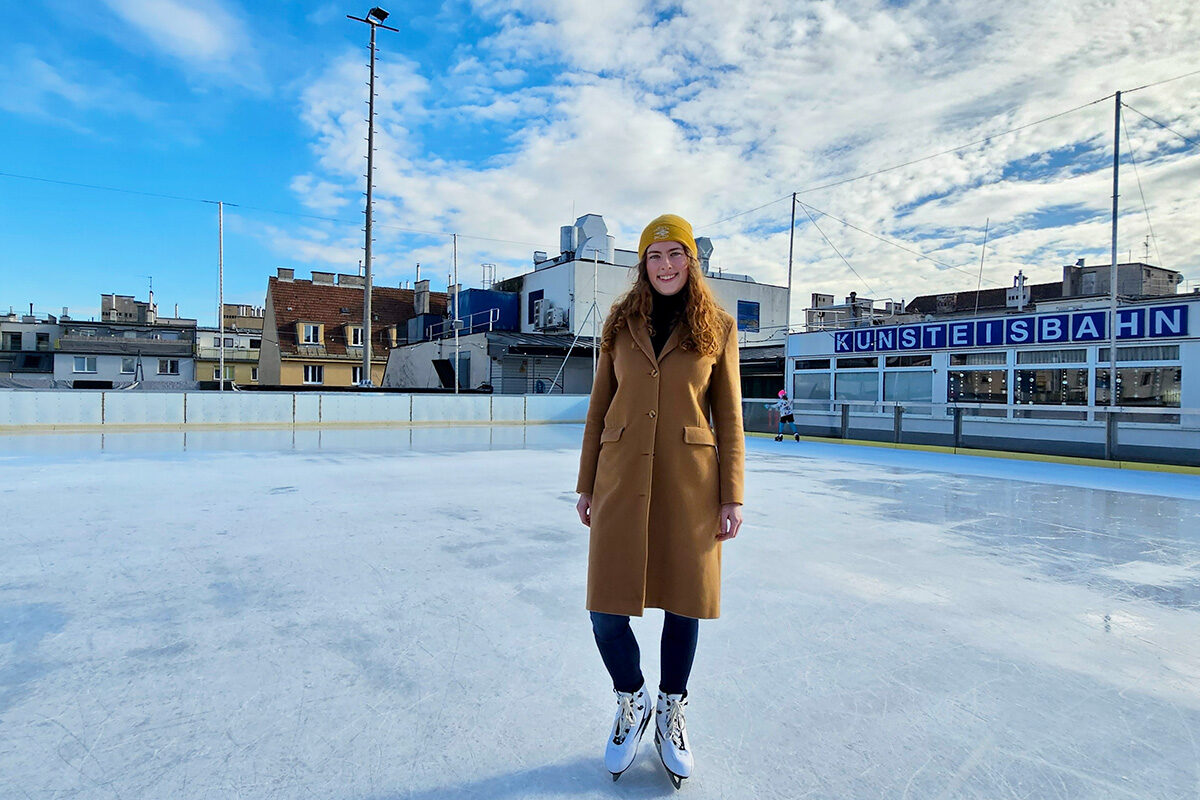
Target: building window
{"points": [[254, 374], [85, 363], [229, 342], [128, 365], [747, 315], [1052, 357], [1168, 352], [43, 341], [312, 335], [356, 375], [314, 373], [812, 363], [811, 386], [1059, 387], [863, 386], [908, 387], [852, 363], [1142, 386], [909, 361], [977, 386], [12, 340], [216, 341], [168, 366], [977, 359], [255, 344], [356, 336]]}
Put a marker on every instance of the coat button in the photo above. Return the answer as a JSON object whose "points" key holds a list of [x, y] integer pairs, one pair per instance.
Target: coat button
{"points": [[653, 414], [653, 373]]}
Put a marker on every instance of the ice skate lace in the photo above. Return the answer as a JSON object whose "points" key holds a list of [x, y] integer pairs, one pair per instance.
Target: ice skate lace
{"points": [[675, 723], [626, 717]]}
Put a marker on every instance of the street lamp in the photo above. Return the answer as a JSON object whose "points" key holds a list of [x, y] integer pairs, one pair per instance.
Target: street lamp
{"points": [[374, 18]]}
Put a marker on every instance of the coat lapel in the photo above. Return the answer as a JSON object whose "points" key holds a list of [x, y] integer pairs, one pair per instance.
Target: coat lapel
{"points": [[671, 343], [637, 327]]}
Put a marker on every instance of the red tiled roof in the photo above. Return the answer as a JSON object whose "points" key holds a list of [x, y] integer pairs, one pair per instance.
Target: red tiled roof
{"points": [[303, 301]]}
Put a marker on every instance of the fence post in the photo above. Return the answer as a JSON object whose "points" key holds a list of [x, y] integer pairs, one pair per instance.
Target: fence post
{"points": [[897, 413], [845, 420], [1110, 435], [958, 437]]}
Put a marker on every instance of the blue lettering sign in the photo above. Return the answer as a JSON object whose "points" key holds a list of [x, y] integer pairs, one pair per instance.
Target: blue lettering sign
{"points": [[842, 343], [933, 336], [1168, 321], [910, 337], [1131, 323], [1052, 328], [1016, 331], [1090, 326], [989, 332], [864, 341], [885, 339], [961, 334]]}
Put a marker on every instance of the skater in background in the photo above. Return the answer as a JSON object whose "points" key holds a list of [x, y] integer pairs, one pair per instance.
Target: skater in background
{"points": [[784, 406], [658, 487]]}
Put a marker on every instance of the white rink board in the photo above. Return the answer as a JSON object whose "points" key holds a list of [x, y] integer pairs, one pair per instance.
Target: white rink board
{"points": [[238, 408], [368, 408], [556, 407], [51, 408], [508, 408], [451, 408], [143, 408]]}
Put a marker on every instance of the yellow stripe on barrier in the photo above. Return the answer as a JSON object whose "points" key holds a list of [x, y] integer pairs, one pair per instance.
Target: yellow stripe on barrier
{"points": [[970, 451]]}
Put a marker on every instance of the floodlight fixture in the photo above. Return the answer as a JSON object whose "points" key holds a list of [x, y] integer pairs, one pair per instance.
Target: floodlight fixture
{"points": [[378, 13]]}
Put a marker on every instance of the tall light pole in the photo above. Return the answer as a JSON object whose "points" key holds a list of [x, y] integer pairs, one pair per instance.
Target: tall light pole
{"points": [[374, 18]]}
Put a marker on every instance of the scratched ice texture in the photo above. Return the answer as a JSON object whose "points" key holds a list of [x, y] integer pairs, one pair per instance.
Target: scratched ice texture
{"points": [[368, 615]]}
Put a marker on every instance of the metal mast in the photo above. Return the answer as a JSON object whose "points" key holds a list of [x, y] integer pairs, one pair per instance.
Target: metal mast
{"points": [[221, 288], [374, 18], [1112, 274]]}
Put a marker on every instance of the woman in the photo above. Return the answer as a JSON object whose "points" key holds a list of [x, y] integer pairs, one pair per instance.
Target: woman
{"points": [[658, 489]]}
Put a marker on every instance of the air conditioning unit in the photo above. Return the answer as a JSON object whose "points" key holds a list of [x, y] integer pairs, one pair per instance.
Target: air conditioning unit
{"points": [[556, 318]]}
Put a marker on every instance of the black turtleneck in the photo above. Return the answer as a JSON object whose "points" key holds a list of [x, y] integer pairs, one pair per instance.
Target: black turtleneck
{"points": [[667, 309]]}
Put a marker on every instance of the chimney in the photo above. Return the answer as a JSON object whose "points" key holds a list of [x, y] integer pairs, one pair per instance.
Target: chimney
{"points": [[351, 280], [285, 274], [322, 278], [421, 297]]}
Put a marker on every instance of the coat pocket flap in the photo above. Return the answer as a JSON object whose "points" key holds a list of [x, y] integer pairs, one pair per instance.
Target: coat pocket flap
{"points": [[611, 434], [695, 434]]}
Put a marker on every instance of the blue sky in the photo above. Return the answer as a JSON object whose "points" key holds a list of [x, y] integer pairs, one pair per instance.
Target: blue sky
{"points": [[499, 120]]}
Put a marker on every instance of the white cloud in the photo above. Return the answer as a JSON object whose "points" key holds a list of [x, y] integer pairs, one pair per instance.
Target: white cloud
{"points": [[712, 107], [208, 36]]}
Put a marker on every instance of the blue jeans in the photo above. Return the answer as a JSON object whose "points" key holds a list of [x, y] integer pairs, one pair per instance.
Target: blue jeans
{"points": [[619, 650]]}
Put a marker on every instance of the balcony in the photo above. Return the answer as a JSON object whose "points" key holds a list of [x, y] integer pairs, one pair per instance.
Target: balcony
{"points": [[232, 354]]}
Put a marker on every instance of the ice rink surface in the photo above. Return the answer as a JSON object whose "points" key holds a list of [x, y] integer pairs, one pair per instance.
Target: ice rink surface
{"points": [[379, 614]]}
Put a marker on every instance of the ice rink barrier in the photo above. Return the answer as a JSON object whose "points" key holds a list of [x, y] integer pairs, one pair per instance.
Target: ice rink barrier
{"points": [[30, 411]]}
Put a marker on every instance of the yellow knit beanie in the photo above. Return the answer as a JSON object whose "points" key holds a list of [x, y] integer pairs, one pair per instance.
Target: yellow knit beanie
{"points": [[667, 228]]}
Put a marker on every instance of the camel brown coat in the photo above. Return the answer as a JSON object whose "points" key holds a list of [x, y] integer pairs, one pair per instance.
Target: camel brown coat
{"points": [[658, 474]]}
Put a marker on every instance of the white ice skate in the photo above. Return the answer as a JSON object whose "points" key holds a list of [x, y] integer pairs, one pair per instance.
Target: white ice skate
{"points": [[670, 737], [633, 714]]}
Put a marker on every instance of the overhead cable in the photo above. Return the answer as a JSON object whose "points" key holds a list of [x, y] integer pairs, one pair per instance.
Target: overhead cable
{"points": [[1145, 207], [839, 252], [1161, 124]]}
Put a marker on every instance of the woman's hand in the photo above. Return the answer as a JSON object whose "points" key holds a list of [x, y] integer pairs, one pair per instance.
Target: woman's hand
{"points": [[584, 507], [731, 521]]}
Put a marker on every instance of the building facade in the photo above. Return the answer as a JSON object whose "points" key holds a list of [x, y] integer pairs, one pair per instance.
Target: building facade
{"points": [[313, 329], [27, 350], [112, 355]]}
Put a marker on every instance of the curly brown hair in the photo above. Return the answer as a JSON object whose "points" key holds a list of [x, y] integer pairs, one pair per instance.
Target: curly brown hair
{"points": [[704, 328]]}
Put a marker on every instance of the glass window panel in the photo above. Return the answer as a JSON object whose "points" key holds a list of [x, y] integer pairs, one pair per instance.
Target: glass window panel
{"points": [[1142, 386], [813, 363], [1052, 356], [1051, 386], [912, 387], [856, 386], [977, 386], [851, 363], [1168, 352], [976, 359], [811, 386], [909, 361]]}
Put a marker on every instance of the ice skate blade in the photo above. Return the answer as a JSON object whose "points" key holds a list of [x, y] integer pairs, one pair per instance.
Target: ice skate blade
{"points": [[676, 781]]}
